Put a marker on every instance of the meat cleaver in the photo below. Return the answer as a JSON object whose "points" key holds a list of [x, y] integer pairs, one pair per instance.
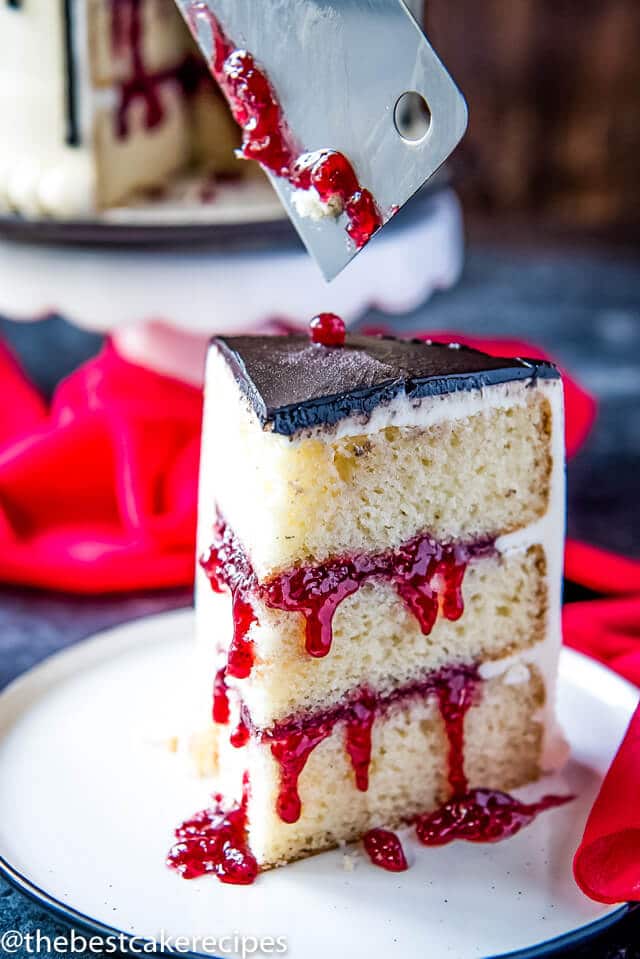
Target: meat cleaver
{"points": [[351, 78]]}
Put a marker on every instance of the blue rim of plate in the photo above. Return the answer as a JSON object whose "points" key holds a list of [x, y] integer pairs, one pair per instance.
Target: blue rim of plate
{"points": [[72, 917]]}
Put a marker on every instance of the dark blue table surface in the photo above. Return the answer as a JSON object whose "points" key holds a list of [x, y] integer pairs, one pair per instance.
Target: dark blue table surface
{"points": [[583, 306]]}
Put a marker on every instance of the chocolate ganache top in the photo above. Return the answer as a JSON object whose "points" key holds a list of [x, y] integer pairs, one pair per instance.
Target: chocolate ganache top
{"points": [[294, 384]]}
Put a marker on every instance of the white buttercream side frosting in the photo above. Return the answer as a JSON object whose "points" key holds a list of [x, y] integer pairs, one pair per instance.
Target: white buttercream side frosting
{"points": [[549, 532], [39, 174]]}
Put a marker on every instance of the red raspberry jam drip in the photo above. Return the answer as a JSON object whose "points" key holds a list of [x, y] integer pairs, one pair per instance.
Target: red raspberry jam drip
{"points": [[125, 24], [214, 841], [457, 690], [292, 752], [358, 742], [331, 175], [241, 653], [293, 741], [254, 105], [427, 576], [327, 329], [127, 33], [364, 217], [220, 712], [267, 138], [481, 815], [227, 567], [316, 592], [385, 850], [241, 734]]}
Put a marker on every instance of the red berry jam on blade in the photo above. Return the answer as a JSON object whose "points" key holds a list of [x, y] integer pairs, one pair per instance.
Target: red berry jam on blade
{"points": [[330, 173], [385, 850], [327, 329], [267, 138]]}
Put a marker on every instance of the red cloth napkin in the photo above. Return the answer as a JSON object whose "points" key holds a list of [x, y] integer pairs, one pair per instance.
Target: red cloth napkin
{"points": [[98, 493], [600, 570], [607, 863], [609, 631]]}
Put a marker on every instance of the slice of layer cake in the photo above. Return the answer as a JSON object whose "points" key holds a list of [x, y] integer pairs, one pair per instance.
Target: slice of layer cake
{"points": [[101, 100], [381, 531]]}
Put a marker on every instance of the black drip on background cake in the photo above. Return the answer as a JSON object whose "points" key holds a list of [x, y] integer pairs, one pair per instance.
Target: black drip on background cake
{"points": [[378, 597]]}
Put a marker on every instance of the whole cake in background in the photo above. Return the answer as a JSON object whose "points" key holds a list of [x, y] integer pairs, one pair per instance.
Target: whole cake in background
{"points": [[378, 603], [101, 101]]}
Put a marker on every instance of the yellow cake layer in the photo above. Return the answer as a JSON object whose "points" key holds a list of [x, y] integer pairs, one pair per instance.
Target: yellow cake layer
{"points": [[482, 467]]}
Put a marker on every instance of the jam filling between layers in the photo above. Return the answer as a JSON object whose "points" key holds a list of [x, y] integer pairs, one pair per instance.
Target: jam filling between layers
{"points": [[292, 741], [456, 688], [127, 38], [427, 575], [215, 840], [268, 139]]}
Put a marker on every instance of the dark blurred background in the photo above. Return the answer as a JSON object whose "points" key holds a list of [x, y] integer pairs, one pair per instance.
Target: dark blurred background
{"points": [[553, 88]]}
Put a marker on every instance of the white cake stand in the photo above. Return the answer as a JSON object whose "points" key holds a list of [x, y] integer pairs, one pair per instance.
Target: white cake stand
{"points": [[162, 288]]}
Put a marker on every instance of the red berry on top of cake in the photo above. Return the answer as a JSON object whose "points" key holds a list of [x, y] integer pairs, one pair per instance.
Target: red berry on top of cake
{"points": [[378, 598]]}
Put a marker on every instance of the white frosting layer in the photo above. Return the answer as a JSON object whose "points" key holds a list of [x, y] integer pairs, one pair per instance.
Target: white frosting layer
{"points": [[549, 532], [428, 411]]}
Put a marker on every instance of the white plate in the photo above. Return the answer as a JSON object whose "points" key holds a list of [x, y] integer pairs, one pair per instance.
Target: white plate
{"points": [[88, 803]]}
